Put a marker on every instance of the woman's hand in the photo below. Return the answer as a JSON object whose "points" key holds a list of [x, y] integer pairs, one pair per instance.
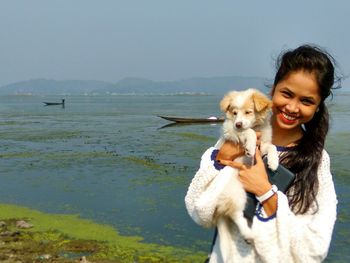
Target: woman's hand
{"points": [[254, 178], [229, 151]]}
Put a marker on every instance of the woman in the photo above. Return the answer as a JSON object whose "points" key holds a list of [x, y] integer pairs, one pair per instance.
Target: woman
{"points": [[296, 226]]}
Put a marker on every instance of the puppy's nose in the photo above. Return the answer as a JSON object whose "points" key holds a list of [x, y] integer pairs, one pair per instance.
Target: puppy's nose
{"points": [[239, 125]]}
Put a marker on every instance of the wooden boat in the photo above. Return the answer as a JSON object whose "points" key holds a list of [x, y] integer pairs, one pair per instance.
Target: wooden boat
{"points": [[53, 103], [192, 120]]}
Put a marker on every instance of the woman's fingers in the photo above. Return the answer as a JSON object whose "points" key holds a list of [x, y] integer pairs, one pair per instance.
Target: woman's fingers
{"points": [[258, 156], [233, 164], [230, 151], [242, 166], [258, 137]]}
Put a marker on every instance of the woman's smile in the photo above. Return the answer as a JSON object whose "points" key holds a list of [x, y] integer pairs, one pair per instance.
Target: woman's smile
{"points": [[286, 118], [295, 100]]}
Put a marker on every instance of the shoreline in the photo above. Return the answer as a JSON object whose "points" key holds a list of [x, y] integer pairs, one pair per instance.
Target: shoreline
{"points": [[68, 238]]}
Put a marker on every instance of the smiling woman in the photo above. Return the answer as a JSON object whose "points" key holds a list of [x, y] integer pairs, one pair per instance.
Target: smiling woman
{"points": [[295, 101], [295, 226]]}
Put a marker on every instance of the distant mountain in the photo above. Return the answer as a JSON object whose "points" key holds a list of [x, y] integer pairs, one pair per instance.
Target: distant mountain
{"points": [[213, 85], [192, 85], [53, 87]]}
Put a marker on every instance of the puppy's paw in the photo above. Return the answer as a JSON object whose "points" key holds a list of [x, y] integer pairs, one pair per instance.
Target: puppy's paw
{"points": [[250, 151], [272, 163], [249, 241], [248, 237]]}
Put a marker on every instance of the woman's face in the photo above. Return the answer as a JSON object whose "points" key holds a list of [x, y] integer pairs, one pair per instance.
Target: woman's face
{"points": [[295, 100]]}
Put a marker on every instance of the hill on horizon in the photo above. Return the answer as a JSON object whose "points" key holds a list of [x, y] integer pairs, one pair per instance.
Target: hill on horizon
{"points": [[52, 87], [207, 85]]}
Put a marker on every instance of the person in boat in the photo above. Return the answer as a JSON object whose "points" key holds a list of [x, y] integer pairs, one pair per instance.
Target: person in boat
{"points": [[295, 226], [55, 103]]}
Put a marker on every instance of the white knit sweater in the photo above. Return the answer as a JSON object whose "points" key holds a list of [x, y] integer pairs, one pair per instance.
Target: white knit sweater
{"points": [[284, 238]]}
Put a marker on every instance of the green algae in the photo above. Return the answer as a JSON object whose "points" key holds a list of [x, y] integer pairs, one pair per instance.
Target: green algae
{"points": [[146, 162], [40, 135], [339, 151], [59, 159], [19, 154], [159, 173], [195, 136], [337, 143], [13, 123], [99, 242], [58, 155], [31, 246]]}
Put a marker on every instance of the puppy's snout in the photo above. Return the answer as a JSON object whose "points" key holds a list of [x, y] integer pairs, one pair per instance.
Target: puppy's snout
{"points": [[239, 125]]}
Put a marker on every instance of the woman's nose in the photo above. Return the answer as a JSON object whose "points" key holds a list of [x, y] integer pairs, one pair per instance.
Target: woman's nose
{"points": [[292, 106]]}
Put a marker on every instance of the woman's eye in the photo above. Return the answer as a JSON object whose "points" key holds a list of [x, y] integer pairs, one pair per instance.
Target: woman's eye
{"points": [[286, 94], [307, 102]]}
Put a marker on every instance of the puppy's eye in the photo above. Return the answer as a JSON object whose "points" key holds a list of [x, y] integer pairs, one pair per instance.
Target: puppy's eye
{"points": [[234, 112], [248, 112]]}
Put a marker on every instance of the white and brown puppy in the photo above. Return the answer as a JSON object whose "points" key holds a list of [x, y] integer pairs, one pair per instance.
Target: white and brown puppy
{"points": [[246, 112]]}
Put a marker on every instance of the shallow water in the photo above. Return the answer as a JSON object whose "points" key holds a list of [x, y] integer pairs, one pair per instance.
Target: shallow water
{"points": [[110, 159]]}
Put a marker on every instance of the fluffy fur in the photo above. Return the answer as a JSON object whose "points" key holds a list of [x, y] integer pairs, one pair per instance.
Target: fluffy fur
{"points": [[246, 112]]}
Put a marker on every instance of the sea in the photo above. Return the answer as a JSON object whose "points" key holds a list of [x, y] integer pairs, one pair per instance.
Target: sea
{"points": [[112, 159]]}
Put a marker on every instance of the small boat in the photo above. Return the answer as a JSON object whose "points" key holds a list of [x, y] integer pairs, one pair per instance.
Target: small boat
{"points": [[54, 103], [192, 120]]}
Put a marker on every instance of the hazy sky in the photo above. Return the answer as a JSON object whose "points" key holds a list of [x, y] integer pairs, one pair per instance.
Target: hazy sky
{"points": [[162, 39]]}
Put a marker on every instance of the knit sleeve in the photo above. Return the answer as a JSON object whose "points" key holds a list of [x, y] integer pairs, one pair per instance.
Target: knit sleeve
{"points": [[300, 238], [200, 199]]}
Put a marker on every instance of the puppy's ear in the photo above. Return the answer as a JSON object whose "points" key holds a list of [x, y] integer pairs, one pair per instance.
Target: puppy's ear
{"points": [[225, 103], [261, 102]]}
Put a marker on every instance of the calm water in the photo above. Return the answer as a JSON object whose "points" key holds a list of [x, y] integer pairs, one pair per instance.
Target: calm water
{"points": [[110, 159]]}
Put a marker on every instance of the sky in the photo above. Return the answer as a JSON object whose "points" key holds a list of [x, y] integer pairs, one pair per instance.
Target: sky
{"points": [[163, 40]]}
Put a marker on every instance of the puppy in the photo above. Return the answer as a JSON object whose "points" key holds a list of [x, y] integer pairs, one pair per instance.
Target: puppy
{"points": [[246, 112]]}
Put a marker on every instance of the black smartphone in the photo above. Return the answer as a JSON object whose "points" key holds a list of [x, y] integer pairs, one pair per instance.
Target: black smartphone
{"points": [[282, 178]]}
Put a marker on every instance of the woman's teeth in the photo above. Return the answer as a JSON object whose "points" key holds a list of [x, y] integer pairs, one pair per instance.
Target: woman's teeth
{"points": [[288, 117]]}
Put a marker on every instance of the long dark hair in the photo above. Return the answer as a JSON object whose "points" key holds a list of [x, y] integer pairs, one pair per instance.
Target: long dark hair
{"points": [[304, 160]]}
